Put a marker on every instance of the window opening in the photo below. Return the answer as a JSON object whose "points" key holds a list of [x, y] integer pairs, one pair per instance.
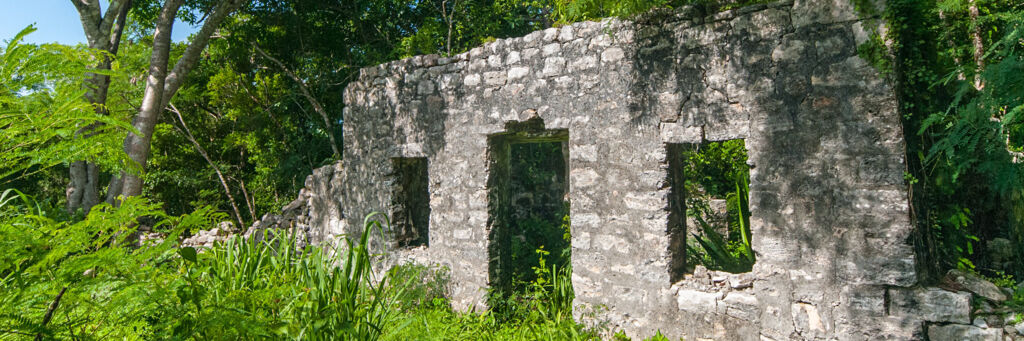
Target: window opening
{"points": [[410, 202], [709, 213]]}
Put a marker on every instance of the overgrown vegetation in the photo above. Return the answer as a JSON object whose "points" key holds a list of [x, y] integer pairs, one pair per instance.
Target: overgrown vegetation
{"points": [[544, 311], [718, 170], [83, 280], [540, 213], [957, 67], [261, 108]]}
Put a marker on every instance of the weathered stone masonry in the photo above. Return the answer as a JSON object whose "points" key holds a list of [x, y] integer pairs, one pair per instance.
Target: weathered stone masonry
{"points": [[829, 209]]}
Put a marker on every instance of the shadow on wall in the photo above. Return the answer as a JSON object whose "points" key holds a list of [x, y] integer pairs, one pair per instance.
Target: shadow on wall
{"points": [[814, 116], [379, 126]]}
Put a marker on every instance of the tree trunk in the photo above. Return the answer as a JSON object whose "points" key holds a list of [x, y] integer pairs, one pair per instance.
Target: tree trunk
{"points": [[979, 47], [135, 145], [83, 189], [160, 87], [103, 33], [248, 201]]}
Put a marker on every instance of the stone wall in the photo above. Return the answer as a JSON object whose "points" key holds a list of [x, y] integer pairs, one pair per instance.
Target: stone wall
{"points": [[829, 209]]}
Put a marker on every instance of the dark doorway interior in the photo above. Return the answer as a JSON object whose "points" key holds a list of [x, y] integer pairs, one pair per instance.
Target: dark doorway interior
{"points": [[528, 206]]}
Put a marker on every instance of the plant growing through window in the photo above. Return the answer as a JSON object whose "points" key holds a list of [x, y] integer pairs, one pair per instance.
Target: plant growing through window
{"points": [[710, 184]]}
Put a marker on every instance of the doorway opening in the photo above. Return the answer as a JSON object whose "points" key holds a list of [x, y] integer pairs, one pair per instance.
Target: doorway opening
{"points": [[528, 206]]}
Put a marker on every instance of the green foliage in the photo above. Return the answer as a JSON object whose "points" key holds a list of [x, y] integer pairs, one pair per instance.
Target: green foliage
{"points": [[960, 140], [43, 107], [547, 293], [1001, 279], [719, 170], [715, 251], [251, 289], [1016, 300], [422, 286], [240, 289], [570, 11], [439, 322], [251, 121], [875, 52], [111, 290], [713, 168], [552, 289], [979, 127], [621, 336], [538, 217], [544, 312]]}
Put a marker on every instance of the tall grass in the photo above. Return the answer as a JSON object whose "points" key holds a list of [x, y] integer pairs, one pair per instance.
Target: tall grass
{"points": [[302, 294]]}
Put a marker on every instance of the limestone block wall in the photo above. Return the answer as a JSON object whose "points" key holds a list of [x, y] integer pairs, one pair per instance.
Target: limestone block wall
{"points": [[829, 210]]}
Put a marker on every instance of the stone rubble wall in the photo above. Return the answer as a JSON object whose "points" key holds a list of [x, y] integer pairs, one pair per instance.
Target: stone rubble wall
{"points": [[829, 209], [314, 216]]}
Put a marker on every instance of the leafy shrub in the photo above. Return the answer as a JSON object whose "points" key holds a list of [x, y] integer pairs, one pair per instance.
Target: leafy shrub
{"points": [[83, 277], [718, 253], [271, 289]]}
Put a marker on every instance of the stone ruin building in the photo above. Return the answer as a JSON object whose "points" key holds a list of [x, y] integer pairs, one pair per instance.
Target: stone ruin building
{"points": [[427, 140]]}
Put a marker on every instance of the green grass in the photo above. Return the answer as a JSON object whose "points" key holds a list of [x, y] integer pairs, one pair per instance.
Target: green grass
{"points": [[438, 322]]}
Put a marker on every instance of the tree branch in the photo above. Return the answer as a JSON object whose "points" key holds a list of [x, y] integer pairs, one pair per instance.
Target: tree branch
{"points": [[50, 310], [97, 25], [979, 47], [107, 22], [309, 97], [89, 13], [248, 199], [191, 55], [202, 152], [122, 16]]}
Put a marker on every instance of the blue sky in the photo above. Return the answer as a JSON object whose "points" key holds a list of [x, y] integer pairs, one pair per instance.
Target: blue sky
{"points": [[56, 21]]}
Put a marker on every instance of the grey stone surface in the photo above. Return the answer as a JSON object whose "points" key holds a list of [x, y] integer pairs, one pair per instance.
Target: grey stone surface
{"points": [[205, 239], [829, 211], [932, 304], [960, 332], [314, 216], [1001, 250], [962, 280]]}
